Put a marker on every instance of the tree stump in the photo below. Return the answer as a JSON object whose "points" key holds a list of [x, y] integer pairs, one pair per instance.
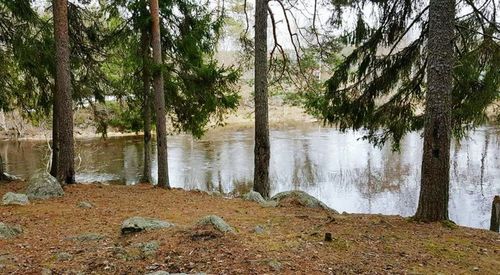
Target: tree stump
{"points": [[495, 214]]}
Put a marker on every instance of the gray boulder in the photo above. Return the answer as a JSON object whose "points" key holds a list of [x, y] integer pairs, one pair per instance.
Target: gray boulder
{"points": [[42, 185], [9, 231], [300, 198], [15, 199], [137, 224], [254, 196], [217, 222]]}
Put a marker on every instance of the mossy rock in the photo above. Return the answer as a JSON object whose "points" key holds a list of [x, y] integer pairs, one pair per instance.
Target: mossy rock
{"points": [[9, 231], [42, 186], [137, 224], [300, 198], [216, 222], [253, 196], [15, 199]]}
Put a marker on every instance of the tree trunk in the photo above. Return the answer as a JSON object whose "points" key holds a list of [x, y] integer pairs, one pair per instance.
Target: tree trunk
{"points": [[159, 100], [145, 44], [2, 169], [262, 152], [435, 179], [495, 215], [55, 143], [64, 106]]}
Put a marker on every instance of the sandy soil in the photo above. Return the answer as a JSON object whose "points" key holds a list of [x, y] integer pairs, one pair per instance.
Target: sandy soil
{"points": [[292, 242]]}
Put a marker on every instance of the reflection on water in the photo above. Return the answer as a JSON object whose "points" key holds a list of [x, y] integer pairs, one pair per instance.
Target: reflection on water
{"points": [[340, 169]]}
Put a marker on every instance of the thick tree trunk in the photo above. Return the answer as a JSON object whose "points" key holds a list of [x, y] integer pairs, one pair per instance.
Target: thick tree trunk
{"points": [[64, 104], [159, 99], [495, 215], [262, 152], [435, 179], [145, 44]]}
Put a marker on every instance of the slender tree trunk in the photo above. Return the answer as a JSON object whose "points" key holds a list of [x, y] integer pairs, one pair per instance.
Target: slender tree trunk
{"points": [[64, 106], [55, 143], [262, 152], [2, 169], [146, 76], [159, 99], [435, 179]]}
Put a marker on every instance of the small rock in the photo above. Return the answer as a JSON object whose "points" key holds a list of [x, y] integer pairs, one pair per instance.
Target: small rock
{"points": [[254, 196], [9, 231], [275, 265], [63, 256], [217, 222], [328, 237], [42, 185], [46, 271], [87, 237], [85, 204], [475, 268], [137, 224], [149, 249], [259, 229], [15, 199]]}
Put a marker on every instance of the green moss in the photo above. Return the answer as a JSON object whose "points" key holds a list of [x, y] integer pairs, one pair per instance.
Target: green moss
{"points": [[449, 224]]}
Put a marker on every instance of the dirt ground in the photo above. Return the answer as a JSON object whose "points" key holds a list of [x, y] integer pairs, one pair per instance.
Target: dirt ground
{"points": [[292, 241]]}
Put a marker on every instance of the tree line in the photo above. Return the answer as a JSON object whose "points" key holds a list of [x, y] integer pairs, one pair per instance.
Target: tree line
{"points": [[414, 65]]}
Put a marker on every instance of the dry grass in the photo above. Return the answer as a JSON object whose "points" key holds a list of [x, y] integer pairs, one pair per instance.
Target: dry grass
{"points": [[292, 241]]}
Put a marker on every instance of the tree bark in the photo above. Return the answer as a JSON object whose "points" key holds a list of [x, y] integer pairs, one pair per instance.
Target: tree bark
{"points": [[262, 152], [145, 44], [495, 215], [159, 99], [64, 104], [55, 142], [435, 179]]}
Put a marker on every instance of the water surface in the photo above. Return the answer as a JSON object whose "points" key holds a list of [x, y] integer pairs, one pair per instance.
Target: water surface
{"points": [[345, 172]]}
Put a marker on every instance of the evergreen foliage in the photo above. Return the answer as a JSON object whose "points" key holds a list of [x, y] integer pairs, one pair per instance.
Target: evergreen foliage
{"points": [[380, 85], [198, 90]]}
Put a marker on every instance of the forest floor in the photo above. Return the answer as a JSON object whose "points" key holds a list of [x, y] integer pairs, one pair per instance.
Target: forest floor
{"points": [[292, 240]]}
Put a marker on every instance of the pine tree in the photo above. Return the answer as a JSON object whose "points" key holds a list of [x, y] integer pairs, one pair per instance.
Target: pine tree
{"points": [[381, 85], [159, 98], [63, 104], [262, 150]]}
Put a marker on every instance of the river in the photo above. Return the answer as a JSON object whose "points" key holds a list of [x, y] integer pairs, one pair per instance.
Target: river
{"points": [[342, 170]]}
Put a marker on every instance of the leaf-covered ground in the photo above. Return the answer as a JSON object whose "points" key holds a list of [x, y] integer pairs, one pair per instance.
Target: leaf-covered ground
{"points": [[292, 240]]}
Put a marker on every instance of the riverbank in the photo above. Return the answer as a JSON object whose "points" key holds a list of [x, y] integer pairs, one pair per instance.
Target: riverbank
{"points": [[289, 239], [14, 127]]}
